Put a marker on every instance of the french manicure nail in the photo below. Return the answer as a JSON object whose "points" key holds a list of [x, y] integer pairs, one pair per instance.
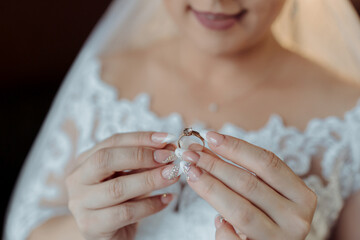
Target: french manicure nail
{"points": [[191, 156], [203, 133], [164, 156], [193, 173], [166, 198], [162, 137], [170, 172], [219, 220], [215, 138]]}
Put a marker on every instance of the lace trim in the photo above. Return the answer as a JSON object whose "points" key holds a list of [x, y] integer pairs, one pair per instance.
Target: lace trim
{"points": [[297, 144], [295, 147], [144, 99], [91, 102]]}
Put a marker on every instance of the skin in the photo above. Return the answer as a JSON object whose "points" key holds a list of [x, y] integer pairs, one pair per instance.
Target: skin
{"points": [[107, 204], [262, 206], [250, 76]]}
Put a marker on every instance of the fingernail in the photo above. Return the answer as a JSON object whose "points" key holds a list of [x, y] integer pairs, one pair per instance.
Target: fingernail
{"points": [[215, 138], [187, 155], [219, 220], [170, 172], [164, 156], [166, 198], [192, 172], [191, 156], [203, 133], [196, 147], [162, 137], [243, 236]]}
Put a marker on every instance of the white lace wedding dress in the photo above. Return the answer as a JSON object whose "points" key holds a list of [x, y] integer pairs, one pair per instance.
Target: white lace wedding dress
{"points": [[98, 113]]}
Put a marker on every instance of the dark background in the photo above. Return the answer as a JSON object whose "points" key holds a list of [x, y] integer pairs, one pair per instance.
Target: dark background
{"points": [[39, 40]]}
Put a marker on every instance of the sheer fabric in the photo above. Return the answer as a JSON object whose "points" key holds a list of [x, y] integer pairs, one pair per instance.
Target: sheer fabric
{"points": [[96, 111]]}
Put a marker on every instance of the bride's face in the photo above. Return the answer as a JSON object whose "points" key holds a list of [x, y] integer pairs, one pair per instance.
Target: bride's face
{"points": [[236, 26]]}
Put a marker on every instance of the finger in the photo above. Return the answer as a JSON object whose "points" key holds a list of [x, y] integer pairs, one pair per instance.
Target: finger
{"points": [[142, 196], [236, 209], [198, 148], [124, 188], [224, 230], [107, 161], [116, 217], [131, 139], [262, 162], [244, 183]]}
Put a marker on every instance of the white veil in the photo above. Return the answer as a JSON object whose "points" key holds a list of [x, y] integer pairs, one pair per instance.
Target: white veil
{"points": [[327, 31]]}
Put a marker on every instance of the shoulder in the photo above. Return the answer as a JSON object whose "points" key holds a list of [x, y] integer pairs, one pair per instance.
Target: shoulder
{"points": [[329, 93], [133, 69], [121, 67]]}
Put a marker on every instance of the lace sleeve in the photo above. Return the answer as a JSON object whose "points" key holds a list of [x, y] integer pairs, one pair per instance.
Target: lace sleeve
{"points": [[350, 176], [39, 194]]}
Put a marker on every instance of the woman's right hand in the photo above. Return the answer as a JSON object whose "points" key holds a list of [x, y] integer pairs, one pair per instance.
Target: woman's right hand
{"points": [[108, 190]]}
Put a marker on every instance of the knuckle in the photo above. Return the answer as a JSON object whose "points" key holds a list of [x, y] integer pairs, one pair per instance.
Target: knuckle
{"points": [[302, 227], [269, 159], [115, 139], [125, 212], [150, 181], [310, 201], [315, 201], [116, 188], [140, 154], [101, 159], [250, 185], [143, 137], [211, 165], [209, 189], [235, 146], [244, 216], [313, 198]]}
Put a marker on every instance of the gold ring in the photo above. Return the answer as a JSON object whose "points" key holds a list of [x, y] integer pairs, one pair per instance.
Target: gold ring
{"points": [[189, 132]]}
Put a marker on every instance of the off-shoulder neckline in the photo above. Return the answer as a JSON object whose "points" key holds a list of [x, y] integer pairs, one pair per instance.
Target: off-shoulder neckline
{"points": [[274, 118]]}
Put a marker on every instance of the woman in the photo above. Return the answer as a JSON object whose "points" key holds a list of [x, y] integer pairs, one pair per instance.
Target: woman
{"points": [[223, 64]]}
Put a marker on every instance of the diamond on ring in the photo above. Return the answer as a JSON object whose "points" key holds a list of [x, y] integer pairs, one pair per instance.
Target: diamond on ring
{"points": [[188, 131]]}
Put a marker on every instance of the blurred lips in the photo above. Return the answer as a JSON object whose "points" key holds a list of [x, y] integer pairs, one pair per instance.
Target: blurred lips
{"points": [[218, 21]]}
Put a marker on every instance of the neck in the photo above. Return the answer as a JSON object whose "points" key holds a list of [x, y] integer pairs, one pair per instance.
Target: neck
{"points": [[242, 68]]}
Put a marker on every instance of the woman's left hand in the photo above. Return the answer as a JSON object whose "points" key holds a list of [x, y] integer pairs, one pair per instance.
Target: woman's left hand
{"points": [[273, 204]]}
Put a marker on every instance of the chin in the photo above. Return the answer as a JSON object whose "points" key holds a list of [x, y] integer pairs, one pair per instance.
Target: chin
{"points": [[219, 49], [223, 47], [236, 39]]}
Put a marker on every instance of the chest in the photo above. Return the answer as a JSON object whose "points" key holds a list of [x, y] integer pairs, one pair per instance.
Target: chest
{"points": [[248, 108]]}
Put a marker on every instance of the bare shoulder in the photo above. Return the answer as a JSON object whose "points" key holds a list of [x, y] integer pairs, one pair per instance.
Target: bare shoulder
{"points": [[329, 93], [122, 70], [134, 70]]}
